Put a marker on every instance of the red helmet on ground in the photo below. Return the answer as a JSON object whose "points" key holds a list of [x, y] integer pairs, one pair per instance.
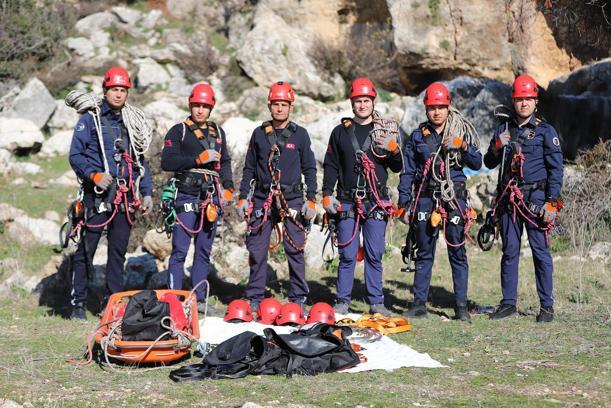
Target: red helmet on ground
{"points": [[362, 87], [291, 313], [238, 310], [437, 94], [525, 86], [281, 91], [321, 312], [202, 93], [116, 76], [268, 310]]}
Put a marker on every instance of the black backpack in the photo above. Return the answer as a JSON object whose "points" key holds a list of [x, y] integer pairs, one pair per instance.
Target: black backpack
{"points": [[142, 318], [321, 348]]}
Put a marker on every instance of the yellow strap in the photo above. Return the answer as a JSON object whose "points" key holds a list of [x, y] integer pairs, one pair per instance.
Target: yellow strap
{"points": [[346, 122], [425, 131]]}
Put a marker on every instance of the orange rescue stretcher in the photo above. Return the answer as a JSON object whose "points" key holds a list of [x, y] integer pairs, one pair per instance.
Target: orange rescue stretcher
{"points": [[108, 332]]}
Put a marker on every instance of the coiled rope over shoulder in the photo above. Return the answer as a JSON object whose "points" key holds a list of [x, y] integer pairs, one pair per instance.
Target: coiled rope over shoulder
{"points": [[139, 130]]}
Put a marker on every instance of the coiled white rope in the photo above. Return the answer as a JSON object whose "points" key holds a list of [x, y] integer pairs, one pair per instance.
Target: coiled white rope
{"points": [[456, 124], [139, 131]]}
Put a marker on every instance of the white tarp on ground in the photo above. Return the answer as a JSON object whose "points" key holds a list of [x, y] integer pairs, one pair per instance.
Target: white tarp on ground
{"points": [[384, 354]]}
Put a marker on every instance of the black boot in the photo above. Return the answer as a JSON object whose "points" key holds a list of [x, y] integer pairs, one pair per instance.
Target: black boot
{"points": [[417, 310], [462, 313], [503, 311], [78, 312], [546, 314]]}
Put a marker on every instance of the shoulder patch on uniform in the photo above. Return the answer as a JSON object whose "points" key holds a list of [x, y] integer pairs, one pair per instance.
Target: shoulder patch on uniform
{"points": [[167, 143], [80, 127], [556, 141], [290, 146]]}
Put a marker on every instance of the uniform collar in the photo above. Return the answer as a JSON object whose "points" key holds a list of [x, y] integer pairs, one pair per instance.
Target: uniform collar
{"points": [[105, 109], [532, 122], [431, 128]]}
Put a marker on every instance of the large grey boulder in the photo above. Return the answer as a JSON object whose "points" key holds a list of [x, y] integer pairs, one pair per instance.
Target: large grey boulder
{"points": [[238, 131], [150, 73], [274, 50], [127, 15], [64, 116], [19, 135], [578, 105], [95, 22], [81, 46], [474, 97], [33, 103], [58, 144], [27, 230]]}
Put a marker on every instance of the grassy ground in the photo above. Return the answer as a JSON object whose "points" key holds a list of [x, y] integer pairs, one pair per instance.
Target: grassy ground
{"points": [[506, 363]]}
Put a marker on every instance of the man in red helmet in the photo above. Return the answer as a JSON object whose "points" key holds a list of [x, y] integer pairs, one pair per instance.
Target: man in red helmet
{"points": [[196, 151], [271, 191], [531, 149], [427, 151], [356, 166], [106, 160]]}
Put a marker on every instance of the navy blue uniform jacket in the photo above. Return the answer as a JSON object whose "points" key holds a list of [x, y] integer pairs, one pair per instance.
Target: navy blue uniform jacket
{"points": [[542, 155], [296, 159], [86, 157]]}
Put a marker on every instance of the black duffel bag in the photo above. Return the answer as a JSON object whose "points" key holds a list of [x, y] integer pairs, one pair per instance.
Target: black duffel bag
{"points": [[306, 352]]}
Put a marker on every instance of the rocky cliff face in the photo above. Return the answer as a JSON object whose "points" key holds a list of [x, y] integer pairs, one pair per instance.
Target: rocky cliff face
{"points": [[241, 47]]}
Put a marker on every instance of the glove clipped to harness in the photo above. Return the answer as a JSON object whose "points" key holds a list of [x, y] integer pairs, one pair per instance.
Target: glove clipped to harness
{"points": [[308, 210], [101, 180], [242, 207], [331, 205], [549, 212], [208, 156]]}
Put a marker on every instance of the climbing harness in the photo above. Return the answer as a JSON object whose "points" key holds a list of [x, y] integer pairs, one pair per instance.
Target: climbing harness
{"points": [[280, 213], [206, 180], [445, 192], [123, 194], [367, 195], [510, 192]]}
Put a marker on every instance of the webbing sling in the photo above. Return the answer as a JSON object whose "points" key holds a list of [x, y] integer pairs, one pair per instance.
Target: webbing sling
{"points": [[274, 138], [201, 137], [349, 126]]}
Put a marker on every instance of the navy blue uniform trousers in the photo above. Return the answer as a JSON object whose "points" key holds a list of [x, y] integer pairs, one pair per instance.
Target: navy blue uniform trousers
{"points": [[511, 234], [118, 237], [426, 238], [257, 243], [374, 232], [181, 240]]}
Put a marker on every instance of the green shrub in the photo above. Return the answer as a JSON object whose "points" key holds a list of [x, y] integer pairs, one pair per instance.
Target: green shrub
{"points": [[31, 33]]}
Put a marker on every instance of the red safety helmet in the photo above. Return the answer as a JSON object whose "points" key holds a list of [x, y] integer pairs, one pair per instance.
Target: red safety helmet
{"points": [[436, 94], [238, 310], [116, 76], [291, 313], [268, 310], [202, 93], [321, 312], [525, 86], [362, 87], [281, 91]]}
